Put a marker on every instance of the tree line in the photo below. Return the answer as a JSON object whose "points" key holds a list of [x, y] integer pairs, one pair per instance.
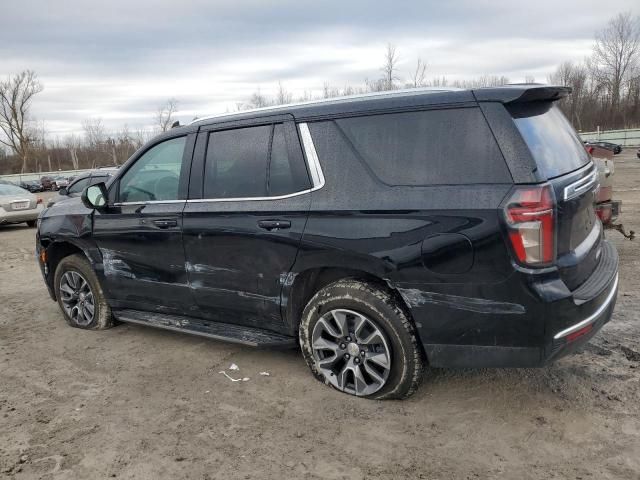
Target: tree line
{"points": [[606, 95]]}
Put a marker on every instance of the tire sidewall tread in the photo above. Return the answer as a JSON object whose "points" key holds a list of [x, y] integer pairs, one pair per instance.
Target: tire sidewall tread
{"points": [[385, 311], [102, 318]]}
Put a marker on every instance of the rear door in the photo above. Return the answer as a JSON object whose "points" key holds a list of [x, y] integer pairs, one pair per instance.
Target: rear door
{"points": [[562, 159], [247, 209]]}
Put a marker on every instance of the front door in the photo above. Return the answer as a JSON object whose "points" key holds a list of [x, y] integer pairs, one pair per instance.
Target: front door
{"points": [[140, 234], [249, 200]]}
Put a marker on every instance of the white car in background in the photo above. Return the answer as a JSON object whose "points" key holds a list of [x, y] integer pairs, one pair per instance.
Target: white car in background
{"points": [[18, 205]]}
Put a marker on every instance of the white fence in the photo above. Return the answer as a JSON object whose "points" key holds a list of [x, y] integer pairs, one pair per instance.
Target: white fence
{"points": [[626, 138], [24, 177]]}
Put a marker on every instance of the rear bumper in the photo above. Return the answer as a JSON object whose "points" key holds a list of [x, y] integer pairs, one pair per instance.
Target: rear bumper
{"points": [[19, 216], [557, 325]]}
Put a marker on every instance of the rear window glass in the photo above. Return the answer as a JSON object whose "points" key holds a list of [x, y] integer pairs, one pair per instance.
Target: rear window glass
{"points": [[11, 190], [553, 142], [436, 147]]}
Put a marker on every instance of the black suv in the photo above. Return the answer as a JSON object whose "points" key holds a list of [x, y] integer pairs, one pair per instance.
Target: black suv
{"points": [[382, 232]]}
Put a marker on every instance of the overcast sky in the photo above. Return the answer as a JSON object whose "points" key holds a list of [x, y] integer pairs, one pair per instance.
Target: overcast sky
{"points": [[118, 60]]}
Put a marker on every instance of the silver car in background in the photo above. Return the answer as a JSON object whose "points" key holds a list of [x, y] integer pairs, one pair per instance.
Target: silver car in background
{"points": [[18, 205]]}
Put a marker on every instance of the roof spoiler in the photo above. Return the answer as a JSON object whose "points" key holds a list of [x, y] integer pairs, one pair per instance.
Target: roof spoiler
{"points": [[519, 93]]}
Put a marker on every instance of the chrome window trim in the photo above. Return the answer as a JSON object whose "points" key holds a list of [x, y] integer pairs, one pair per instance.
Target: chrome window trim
{"points": [[591, 318], [148, 202], [315, 170], [578, 187], [317, 177]]}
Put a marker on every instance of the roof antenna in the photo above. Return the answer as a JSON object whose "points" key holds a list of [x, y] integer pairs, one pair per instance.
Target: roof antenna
{"points": [[175, 124]]}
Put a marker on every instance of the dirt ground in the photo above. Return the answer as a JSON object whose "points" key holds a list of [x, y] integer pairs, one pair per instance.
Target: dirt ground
{"points": [[134, 402]]}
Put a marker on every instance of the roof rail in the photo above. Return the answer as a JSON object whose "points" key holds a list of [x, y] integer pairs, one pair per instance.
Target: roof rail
{"points": [[343, 99]]}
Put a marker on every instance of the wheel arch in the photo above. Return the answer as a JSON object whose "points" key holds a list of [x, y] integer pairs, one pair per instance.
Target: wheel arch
{"points": [[57, 250], [302, 286]]}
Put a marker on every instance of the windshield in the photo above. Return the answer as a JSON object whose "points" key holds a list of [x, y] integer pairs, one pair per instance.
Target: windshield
{"points": [[11, 190], [553, 142]]}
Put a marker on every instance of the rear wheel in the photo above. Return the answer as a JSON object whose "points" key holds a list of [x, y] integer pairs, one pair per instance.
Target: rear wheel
{"points": [[357, 339], [80, 296]]}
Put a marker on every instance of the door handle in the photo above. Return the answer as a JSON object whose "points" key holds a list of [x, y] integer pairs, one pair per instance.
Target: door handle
{"points": [[274, 224], [165, 223]]}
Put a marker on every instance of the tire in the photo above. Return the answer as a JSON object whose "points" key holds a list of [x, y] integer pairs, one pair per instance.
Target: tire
{"points": [[72, 272], [31, 223], [362, 309]]}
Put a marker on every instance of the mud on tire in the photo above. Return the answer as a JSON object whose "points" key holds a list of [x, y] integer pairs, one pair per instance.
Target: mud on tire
{"points": [[364, 300], [78, 264]]}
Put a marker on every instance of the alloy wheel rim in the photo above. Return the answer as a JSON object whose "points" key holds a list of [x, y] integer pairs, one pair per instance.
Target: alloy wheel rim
{"points": [[77, 298], [351, 351]]}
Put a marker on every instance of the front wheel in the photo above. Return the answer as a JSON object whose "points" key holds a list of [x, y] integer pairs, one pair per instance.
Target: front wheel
{"points": [[80, 296], [357, 339]]}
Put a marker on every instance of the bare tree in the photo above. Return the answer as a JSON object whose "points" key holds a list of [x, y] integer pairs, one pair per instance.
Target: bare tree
{"points": [[418, 78], [283, 96], [616, 55], [73, 144], [258, 100], [390, 67], [16, 94], [164, 116], [95, 140]]}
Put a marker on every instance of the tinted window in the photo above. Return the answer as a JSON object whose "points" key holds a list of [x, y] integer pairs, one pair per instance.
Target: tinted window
{"points": [[78, 186], [236, 164], [452, 146], [286, 174], [551, 138], [155, 175]]}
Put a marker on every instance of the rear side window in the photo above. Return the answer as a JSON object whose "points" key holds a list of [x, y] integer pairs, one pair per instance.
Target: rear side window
{"points": [[236, 164], [553, 142], [252, 162], [437, 147]]}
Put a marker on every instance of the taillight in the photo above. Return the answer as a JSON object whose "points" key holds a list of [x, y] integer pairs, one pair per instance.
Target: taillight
{"points": [[39, 201], [530, 217]]}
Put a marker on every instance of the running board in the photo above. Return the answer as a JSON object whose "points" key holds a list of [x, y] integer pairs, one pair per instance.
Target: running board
{"points": [[251, 336]]}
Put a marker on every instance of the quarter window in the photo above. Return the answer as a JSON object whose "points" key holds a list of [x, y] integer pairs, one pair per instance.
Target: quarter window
{"points": [[437, 147], [156, 174]]}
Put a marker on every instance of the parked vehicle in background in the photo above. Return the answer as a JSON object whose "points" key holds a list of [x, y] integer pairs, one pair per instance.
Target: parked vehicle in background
{"points": [[614, 147], [607, 209], [33, 186], [48, 183], [18, 205], [378, 232], [61, 182], [6, 182], [81, 182]]}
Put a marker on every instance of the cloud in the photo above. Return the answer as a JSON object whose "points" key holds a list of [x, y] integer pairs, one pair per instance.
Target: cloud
{"points": [[119, 60]]}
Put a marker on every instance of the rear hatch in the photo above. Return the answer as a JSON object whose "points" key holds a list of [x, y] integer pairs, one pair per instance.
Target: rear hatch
{"points": [[562, 159]]}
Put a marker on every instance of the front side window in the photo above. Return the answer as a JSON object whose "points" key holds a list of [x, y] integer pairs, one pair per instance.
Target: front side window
{"points": [[156, 174]]}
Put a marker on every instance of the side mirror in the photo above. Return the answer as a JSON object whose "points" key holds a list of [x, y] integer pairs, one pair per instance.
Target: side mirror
{"points": [[62, 191], [95, 196]]}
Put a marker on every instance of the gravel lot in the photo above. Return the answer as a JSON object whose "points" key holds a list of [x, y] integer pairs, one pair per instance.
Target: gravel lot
{"points": [[134, 402]]}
